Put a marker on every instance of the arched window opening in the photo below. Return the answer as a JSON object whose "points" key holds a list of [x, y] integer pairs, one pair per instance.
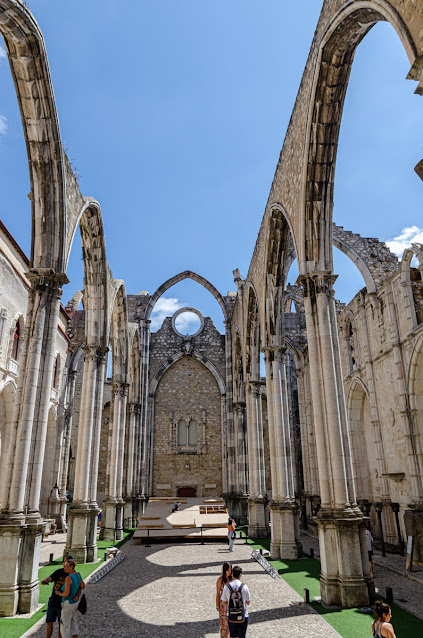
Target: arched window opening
{"points": [[293, 307], [56, 373], [187, 433], [351, 346], [16, 341], [192, 433]]}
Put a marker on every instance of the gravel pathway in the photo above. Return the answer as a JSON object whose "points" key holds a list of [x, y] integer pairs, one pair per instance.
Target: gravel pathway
{"points": [[169, 590]]}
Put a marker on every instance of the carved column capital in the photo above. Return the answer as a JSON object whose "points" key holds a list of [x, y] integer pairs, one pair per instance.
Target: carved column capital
{"points": [[274, 353], [119, 388], [317, 283], [96, 353], [253, 386], [47, 281], [135, 408]]}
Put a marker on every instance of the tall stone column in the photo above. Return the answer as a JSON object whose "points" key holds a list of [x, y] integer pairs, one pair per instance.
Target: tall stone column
{"points": [[108, 527], [123, 396], [138, 500], [76, 540], [230, 436], [133, 422], [257, 502], [92, 522], [344, 572], [145, 435], [67, 430], [241, 463], [285, 540], [20, 520]]}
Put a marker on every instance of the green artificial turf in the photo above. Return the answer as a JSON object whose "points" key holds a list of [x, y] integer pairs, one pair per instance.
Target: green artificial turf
{"points": [[15, 627], [350, 623]]}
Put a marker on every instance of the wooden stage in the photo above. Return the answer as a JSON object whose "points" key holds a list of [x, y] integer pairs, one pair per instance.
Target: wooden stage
{"points": [[196, 518]]}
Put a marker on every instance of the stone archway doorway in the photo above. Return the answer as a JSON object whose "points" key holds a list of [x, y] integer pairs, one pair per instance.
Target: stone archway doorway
{"points": [[190, 492]]}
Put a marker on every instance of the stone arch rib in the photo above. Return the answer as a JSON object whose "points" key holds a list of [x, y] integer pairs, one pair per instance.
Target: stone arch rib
{"points": [[187, 274], [332, 69], [177, 357], [29, 66], [96, 292]]}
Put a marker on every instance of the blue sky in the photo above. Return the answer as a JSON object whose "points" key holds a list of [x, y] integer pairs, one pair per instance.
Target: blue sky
{"points": [[174, 114]]}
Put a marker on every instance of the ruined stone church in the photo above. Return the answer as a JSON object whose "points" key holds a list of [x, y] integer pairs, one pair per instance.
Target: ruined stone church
{"points": [[331, 429]]}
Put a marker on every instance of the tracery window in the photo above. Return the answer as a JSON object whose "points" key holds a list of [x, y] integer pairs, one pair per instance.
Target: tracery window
{"points": [[16, 340], [187, 433]]}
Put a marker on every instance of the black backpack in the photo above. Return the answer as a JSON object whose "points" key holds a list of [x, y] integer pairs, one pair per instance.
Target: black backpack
{"points": [[236, 611]]}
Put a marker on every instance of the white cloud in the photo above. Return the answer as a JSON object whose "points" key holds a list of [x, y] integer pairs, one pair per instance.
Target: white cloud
{"points": [[3, 125], [2, 53], [408, 236], [166, 307], [187, 323]]}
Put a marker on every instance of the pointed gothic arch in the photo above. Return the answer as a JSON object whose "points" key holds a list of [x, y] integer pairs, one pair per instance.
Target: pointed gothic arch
{"points": [[177, 357], [337, 47], [186, 274], [30, 70]]}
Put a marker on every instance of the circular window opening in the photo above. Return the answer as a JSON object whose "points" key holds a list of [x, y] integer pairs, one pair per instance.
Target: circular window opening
{"points": [[187, 322]]}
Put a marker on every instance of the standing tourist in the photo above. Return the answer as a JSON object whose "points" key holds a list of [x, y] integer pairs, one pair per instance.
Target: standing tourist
{"points": [[369, 541], [381, 627], [54, 605], [72, 586], [236, 597], [224, 578], [231, 534]]}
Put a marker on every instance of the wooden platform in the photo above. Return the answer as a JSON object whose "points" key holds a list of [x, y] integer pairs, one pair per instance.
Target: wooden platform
{"points": [[196, 517]]}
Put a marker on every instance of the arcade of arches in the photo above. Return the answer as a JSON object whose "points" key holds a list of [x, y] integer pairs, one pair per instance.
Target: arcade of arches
{"points": [[331, 425]]}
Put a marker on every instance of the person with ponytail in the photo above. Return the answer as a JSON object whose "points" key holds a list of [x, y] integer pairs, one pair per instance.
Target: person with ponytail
{"points": [[224, 579], [381, 627]]}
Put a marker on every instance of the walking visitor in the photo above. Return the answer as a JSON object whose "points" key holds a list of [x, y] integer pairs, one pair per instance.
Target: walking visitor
{"points": [[231, 533], [70, 595], [369, 541], [54, 605], [381, 627], [224, 578], [235, 598]]}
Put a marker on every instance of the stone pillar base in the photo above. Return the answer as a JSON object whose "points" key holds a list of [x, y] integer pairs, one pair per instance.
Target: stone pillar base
{"points": [[76, 538], [29, 587], [119, 521], [243, 509], [92, 524], [10, 548], [108, 521], [343, 580], [413, 520], [138, 510], [285, 543], [257, 517], [128, 513]]}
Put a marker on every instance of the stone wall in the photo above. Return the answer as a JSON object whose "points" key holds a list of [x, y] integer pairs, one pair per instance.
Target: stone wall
{"points": [[187, 390]]}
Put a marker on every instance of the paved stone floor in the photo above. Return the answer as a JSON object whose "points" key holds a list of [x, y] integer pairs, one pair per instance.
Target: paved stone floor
{"points": [[408, 592], [169, 590]]}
